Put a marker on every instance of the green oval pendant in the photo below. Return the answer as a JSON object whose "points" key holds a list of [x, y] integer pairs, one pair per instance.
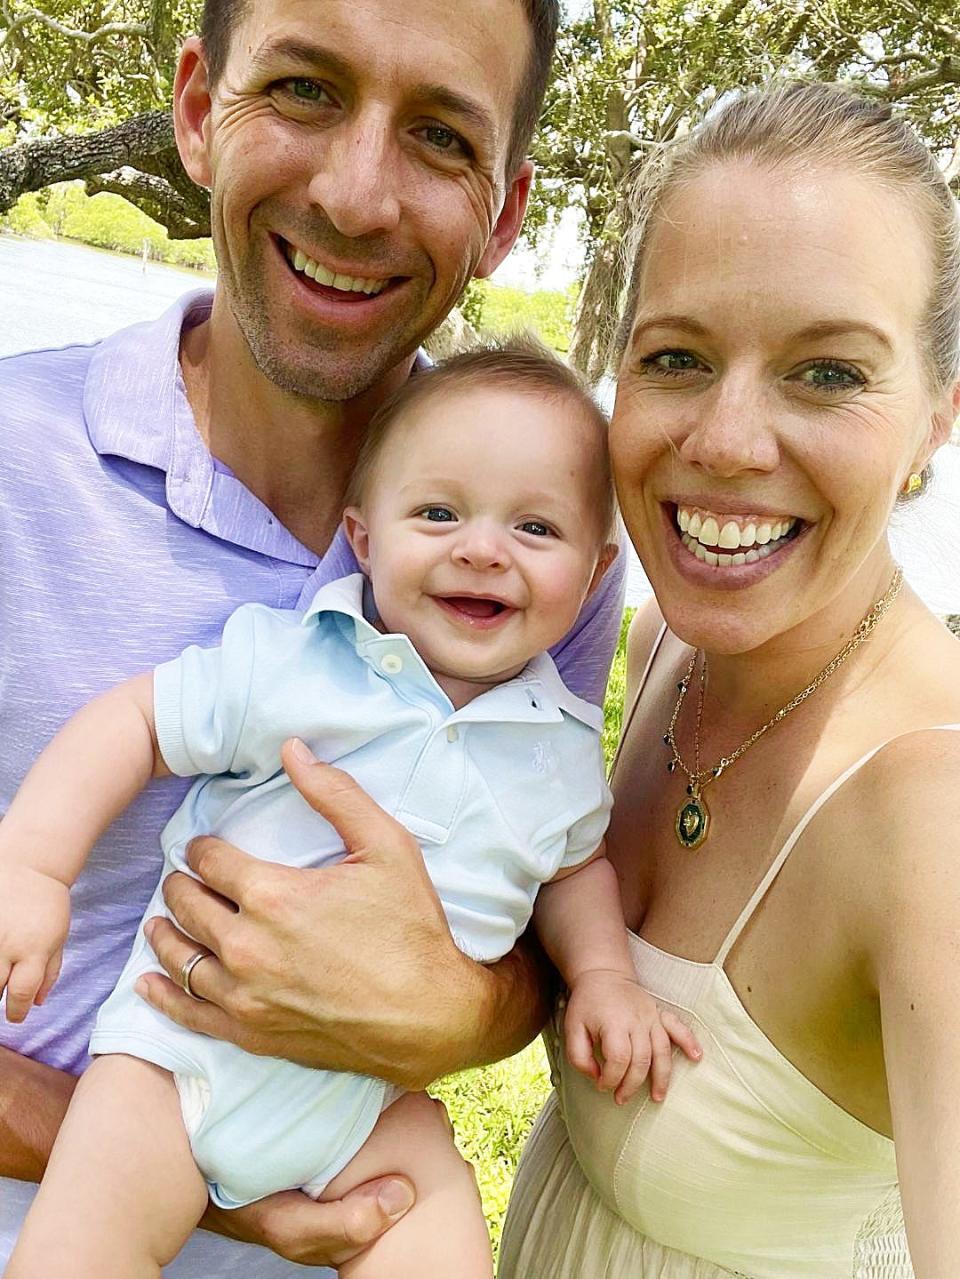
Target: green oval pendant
{"points": [[693, 822]]}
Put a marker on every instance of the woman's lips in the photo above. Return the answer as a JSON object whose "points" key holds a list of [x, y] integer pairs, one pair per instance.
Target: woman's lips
{"points": [[721, 568]]}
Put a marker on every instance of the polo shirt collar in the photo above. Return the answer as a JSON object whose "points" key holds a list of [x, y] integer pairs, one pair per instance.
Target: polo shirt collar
{"points": [[536, 695], [135, 406]]}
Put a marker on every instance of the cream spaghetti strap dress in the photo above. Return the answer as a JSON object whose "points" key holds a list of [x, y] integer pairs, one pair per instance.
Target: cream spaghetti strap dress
{"points": [[747, 1169]]}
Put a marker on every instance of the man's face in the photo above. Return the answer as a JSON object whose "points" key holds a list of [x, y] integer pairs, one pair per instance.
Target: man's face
{"points": [[356, 154]]}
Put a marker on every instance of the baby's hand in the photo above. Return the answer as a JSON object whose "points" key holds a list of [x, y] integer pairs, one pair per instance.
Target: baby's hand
{"points": [[611, 1016], [34, 921]]}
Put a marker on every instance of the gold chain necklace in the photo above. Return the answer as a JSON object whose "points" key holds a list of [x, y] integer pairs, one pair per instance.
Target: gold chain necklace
{"points": [[693, 817]]}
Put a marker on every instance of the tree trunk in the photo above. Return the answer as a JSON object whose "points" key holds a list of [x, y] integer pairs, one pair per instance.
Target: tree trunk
{"points": [[597, 320], [137, 159]]}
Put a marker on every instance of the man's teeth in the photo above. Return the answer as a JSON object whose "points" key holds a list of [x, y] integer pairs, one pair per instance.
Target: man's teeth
{"points": [[751, 538], [346, 283]]}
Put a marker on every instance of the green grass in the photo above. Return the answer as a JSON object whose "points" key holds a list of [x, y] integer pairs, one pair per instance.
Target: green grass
{"points": [[493, 1108]]}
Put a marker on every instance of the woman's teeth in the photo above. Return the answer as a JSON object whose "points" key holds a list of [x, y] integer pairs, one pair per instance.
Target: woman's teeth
{"points": [[750, 538]]}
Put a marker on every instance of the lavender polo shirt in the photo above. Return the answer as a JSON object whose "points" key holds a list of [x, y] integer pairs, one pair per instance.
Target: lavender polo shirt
{"points": [[123, 542]]}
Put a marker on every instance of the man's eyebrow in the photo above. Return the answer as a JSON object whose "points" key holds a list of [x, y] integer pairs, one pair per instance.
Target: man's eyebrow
{"points": [[304, 52], [459, 104], [313, 56]]}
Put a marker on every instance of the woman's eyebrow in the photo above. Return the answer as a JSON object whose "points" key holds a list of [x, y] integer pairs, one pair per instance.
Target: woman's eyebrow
{"points": [[681, 323], [844, 328]]}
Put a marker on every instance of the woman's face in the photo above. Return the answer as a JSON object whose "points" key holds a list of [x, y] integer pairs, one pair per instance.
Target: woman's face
{"points": [[773, 399]]}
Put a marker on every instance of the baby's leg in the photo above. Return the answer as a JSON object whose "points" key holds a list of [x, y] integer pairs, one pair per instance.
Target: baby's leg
{"points": [[444, 1233], [121, 1193]]}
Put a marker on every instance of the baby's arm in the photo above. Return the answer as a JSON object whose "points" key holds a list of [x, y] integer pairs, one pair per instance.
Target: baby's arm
{"points": [[579, 919], [91, 771]]}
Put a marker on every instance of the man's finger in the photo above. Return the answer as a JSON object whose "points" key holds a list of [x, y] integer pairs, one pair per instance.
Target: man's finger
{"points": [[224, 869], [209, 980], [360, 822], [325, 1234], [205, 1018], [201, 912]]}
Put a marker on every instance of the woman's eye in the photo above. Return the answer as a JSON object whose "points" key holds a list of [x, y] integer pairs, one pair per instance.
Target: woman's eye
{"points": [[830, 375], [438, 514], [536, 527], [671, 363]]}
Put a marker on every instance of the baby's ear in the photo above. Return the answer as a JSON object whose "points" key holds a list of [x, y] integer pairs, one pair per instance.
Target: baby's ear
{"points": [[604, 560], [355, 528]]}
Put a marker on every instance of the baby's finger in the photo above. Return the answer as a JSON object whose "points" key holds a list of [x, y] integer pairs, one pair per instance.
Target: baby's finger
{"points": [[580, 1048], [662, 1062], [22, 985], [681, 1034], [4, 975], [617, 1052], [49, 977], [637, 1070]]}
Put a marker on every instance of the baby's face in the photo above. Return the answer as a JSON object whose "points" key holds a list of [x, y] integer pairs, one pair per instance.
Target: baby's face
{"points": [[481, 530]]}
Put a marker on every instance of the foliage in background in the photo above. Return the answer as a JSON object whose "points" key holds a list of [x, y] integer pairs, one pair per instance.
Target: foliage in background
{"points": [[632, 75], [493, 1108]]}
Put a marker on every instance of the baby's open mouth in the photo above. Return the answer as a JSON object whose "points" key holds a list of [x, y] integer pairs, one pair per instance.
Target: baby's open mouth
{"points": [[727, 541], [473, 606]]}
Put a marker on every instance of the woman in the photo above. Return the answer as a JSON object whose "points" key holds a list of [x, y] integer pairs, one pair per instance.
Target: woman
{"points": [[783, 829]]}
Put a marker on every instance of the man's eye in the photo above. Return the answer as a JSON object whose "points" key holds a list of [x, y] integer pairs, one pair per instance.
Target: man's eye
{"points": [[438, 514], [304, 90], [443, 139], [830, 375], [537, 528]]}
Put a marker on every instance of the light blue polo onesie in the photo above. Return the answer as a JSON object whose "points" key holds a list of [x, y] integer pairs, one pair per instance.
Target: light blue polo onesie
{"points": [[501, 795]]}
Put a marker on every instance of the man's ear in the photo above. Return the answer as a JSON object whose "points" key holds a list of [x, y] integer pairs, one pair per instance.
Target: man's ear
{"points": [[508, 224], [354, 526], [604, 560], [191, 111]]}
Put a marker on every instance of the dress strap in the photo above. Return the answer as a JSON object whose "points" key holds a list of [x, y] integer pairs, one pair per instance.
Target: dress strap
{"points": [[625, 727], [777, 865]]}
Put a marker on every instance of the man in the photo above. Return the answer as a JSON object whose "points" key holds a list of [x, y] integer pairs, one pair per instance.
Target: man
{"points": [[365, 159]]}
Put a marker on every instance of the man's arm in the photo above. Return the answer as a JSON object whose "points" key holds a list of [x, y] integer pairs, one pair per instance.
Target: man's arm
{"points": [[33, 1100], [350, 967]]}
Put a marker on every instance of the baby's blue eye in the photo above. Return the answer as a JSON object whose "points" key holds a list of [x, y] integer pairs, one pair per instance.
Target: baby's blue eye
{"points": [[536, 527], [438, 514]]}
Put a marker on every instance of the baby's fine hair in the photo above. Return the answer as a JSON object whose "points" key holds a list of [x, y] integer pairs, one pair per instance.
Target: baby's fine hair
{"points": [[519, 363]]}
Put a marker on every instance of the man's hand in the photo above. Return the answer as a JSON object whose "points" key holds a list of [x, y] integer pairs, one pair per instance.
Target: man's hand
{"points": [[316, 1234], [350, 967]]}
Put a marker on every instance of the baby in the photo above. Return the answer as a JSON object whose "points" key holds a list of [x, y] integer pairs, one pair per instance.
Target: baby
{"points": [[481, 512]]}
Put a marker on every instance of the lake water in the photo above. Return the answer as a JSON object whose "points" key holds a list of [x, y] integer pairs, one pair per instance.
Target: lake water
{"points": [[53, 294]]}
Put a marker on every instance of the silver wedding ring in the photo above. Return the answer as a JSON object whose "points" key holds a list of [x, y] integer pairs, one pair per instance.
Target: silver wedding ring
{"points": [[187, 967]]}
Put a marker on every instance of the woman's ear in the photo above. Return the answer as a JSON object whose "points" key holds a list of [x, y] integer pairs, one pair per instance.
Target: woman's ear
{"points": [[355, 528], [604, 560]]}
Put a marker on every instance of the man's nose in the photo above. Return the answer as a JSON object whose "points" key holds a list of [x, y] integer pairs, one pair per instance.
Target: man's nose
{"points": [[357, 182], [482, 546], [732, 429]]}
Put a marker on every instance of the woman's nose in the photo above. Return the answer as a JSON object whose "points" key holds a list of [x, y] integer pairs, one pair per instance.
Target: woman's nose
{"points": [[732, 429]]}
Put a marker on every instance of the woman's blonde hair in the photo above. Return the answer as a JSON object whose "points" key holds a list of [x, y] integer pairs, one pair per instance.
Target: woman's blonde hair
{"points": [[822, 125]]}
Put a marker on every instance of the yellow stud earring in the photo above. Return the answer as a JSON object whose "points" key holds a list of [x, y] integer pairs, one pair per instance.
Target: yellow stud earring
{"points": [[912, 484]]}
